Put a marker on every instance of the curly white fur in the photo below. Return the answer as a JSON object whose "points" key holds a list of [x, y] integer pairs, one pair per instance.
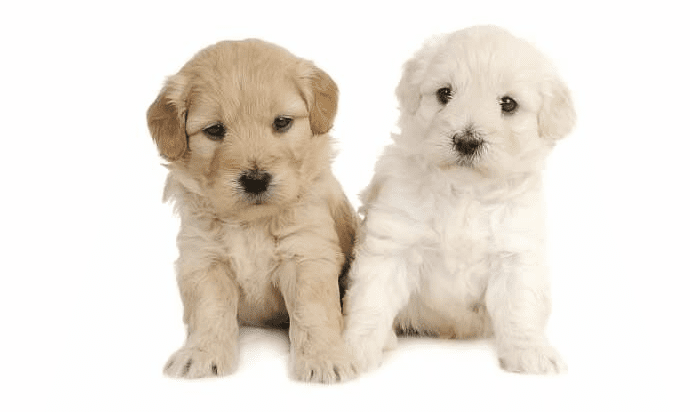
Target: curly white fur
{"points": [[453, 243]]}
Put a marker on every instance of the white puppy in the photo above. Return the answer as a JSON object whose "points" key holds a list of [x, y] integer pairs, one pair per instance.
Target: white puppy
{"points": [[453, 241]]}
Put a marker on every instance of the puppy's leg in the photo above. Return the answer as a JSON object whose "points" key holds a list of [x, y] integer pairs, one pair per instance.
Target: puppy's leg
{"points": [[380, 288], [312, 297], [210, 300], [519, 304]]}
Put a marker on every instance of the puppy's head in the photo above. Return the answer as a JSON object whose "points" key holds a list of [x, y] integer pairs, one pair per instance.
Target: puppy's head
{"points": [[243, 124], [482, 99]]}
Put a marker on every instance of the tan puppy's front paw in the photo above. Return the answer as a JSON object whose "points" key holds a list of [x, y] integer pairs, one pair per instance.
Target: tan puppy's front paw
{"points": [[533, 360], [331, 366], [202, 361]]}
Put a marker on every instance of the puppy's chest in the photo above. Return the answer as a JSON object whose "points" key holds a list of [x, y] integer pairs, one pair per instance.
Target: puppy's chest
{"points": [[462, 229], [457, 262], [254, 259], [251, 251]]}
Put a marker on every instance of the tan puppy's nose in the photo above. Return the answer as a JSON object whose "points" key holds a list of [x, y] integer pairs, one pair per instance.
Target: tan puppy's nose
{"points": [[255, 181]]}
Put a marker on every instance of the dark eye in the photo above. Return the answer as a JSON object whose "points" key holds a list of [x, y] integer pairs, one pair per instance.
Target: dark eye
{"points": [[215, 131], [282, 124], [443, 95], [508, 105]]}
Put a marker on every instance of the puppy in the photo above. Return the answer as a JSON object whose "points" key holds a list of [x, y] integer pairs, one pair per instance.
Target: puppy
{"points": [[265, 227], [452, 244]]}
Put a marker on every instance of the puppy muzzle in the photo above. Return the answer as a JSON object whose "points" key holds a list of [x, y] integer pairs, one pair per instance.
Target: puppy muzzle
{"points": [[467, 143], [255, 182]]}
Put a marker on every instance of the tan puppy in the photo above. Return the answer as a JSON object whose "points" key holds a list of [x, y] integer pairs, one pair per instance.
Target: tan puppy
{"points": [[265, 227]]}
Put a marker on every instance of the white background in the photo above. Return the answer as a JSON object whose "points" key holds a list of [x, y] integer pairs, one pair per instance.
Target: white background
{"points": [[89, 308]]}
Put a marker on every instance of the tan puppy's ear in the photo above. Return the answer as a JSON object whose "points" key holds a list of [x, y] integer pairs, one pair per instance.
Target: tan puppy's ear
{"points": [[409, 89], [556, 117], [166, 119], [321, 95]]}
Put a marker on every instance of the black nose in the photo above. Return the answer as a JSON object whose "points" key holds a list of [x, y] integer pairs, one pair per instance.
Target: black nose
{"points": [[467, 143], [255, 182]]}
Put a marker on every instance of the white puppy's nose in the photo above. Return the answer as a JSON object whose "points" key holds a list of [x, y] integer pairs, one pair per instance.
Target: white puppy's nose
{"points": [[468, 142]]}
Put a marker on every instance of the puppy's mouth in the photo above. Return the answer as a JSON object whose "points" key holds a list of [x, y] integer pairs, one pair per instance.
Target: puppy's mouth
{"points": [[255, 186]]}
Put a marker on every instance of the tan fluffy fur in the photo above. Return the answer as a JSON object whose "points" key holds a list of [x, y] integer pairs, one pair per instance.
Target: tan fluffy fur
{"points": [[245, 261]]}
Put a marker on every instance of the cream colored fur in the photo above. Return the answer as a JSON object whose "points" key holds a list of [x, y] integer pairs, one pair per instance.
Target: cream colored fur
{"points": [[246, 258], [453, 245]]}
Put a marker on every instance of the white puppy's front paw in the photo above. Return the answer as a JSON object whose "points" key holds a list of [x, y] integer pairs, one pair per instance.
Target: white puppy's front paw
{"points": [[333, 365], [202, 361], [391, 341], [532, 359], [367, 353]]}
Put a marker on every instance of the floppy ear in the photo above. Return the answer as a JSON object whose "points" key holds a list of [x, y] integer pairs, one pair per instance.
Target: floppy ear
{"points": [[556, 117], [321, 95], [409, 89], [167, 117]]}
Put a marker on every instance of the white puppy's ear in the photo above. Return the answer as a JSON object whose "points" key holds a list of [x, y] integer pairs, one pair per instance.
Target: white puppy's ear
{"points": [[166, 118], [556, 117], [409, 89], [321, 95]]}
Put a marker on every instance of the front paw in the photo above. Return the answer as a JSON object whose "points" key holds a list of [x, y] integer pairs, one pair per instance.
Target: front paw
{"points": [[368, 349], [328, 366], [202, 361], [532, 359]]}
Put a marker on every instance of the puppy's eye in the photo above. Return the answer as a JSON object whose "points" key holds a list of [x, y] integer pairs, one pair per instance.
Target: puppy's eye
{"points": [[282, 124], [215, 131], [508, 105], [443, 95]]}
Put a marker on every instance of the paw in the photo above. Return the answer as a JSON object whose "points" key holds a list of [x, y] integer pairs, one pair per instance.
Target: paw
{"points": [[533, 359], [368, 355], [201, 361], [330, 366], [391, 341]]}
